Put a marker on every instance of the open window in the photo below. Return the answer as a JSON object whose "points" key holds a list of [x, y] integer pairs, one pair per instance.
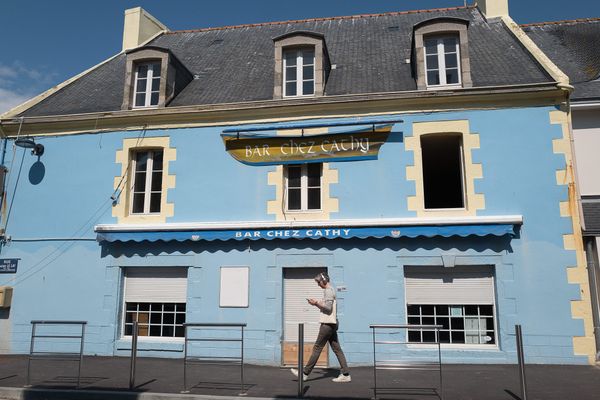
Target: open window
{"points": [[443, 171]]}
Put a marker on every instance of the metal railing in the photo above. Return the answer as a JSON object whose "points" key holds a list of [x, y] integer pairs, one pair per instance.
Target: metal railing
{"points": [[400, 364], [300, 360], [55, 355], [134, 341], [213, 360]]}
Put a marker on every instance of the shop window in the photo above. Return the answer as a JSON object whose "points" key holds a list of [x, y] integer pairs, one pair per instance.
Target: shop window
{"points": [[460, 299], [466, 324], [303, 187], [156, 299], [147, 167], [443, 177]]}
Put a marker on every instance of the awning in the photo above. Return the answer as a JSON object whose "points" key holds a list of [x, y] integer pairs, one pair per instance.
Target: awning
{"points": [[320, 231]]}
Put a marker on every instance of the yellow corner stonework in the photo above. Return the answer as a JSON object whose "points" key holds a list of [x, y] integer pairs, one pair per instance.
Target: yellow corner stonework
{"points": [[577, 275], [474, 201], [123, 157]]}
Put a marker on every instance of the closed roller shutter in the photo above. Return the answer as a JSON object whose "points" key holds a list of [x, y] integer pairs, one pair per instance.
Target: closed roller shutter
{"points": [[158, 285], [457, 285], [299, 285]]}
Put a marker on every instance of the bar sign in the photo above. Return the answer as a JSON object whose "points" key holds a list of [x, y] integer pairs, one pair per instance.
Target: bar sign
{"points": [[8, 265]]}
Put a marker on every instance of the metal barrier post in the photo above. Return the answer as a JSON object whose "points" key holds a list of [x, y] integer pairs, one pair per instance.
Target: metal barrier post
{"points": [[80, 355], [30, 354], [134, 340], [374, 366], [521, 357], [242, 393], [300, 360]]}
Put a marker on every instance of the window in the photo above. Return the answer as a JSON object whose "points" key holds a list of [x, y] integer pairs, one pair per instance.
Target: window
{"points": [[442, 159], [299, 72], [468, 324], [303, 187], [442, 61], [441, 53], [156, 299], [147, 181], [460, 299], [147, 84]]}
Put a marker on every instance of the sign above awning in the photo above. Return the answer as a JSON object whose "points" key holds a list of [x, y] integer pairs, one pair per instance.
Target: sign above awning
{"points": [[341, 231], [289, 144]]}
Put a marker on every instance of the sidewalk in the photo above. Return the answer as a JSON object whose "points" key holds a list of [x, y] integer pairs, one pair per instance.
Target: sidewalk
{"points": [[157, 379]]}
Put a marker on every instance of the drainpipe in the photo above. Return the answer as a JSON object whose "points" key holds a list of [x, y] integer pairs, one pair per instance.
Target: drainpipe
{"points": [[591, 251]]}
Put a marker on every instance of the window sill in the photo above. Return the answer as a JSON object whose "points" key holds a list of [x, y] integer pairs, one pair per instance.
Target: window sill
{"points": [[152, 344], [445, 87]]}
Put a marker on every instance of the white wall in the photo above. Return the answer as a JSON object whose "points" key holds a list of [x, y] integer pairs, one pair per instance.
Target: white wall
{"points": [[586, 131]]}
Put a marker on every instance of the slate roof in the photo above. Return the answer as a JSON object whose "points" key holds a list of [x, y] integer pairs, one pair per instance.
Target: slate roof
{"points": [[235, 64], [574, 46]]}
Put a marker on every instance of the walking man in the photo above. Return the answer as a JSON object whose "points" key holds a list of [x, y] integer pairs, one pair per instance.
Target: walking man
{"points": [[327, 331]]}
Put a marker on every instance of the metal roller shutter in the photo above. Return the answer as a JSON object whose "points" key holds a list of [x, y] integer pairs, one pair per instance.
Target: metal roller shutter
{"points": [[299, 285], [457, 285], [159, 285]]}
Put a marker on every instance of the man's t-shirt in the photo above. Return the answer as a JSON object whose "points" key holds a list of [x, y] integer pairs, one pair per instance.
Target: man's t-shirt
{"points": [[329, 311]]}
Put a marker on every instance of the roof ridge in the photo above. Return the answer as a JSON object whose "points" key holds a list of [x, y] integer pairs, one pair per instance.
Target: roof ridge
{"points": [[564, 21], [322, 19]]}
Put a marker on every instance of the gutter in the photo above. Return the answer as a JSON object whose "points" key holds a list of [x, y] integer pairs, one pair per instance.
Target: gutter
{"points": [[197, 115]]}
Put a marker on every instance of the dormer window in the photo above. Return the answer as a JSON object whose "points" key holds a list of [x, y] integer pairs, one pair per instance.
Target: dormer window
{"points": [[442, 55], [299, 72], [147, 84], [301, 65], [153, 77]]}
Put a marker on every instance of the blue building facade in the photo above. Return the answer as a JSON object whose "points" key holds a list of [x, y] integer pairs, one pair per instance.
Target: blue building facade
{"points": [[462, 214]]}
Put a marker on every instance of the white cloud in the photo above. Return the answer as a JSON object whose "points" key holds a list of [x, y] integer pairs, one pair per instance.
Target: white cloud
{"points": [[19, 83], [10, 99]]}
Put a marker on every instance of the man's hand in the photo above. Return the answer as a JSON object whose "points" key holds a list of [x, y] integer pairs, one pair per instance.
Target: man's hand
{"points": [[313, 302]]}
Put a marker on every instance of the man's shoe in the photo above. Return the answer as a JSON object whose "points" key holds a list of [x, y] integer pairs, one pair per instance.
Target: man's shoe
{"points": [[294, 371], [342, 378]]}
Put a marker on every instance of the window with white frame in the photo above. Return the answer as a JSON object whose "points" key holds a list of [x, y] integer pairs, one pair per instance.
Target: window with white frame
{"points": [[443, 171], [460, 299], [299, 72], [155, 298], [442, 61], [147, 168], [147, 85], [303, 186]]}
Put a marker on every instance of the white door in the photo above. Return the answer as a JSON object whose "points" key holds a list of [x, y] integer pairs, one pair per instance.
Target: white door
{"points": [[299, 285]]}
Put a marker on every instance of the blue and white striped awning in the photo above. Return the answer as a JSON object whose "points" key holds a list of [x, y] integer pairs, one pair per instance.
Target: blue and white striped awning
{"points": [[344, 229]]}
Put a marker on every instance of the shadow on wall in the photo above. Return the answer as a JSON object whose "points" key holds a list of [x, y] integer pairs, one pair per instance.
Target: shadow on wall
{"points": [[37, 173], [471, 243], [4, 313]]}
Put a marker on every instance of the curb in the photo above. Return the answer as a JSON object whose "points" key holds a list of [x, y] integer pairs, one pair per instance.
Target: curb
{"points": [[9, 393]]}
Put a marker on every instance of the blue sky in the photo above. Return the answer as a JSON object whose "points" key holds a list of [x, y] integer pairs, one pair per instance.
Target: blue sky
{"points": [[46, 42]]}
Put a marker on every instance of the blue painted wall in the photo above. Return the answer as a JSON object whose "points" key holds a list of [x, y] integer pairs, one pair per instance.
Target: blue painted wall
{"points": [[83, 279]]}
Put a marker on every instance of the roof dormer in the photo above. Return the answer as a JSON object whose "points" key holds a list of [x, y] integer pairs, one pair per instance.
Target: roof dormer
{"points": [[301, 65]]}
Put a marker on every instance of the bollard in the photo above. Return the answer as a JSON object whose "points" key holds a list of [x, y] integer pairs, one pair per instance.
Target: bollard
{"points": [[300, 360], [134, 339], [521, 357]]}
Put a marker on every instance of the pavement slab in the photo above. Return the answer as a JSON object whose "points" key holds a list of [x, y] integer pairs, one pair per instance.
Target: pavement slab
{"points": [[159, 378]]}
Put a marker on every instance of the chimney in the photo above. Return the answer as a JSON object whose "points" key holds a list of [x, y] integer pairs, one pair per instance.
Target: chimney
{"points": [[493, 8], [139, 26]]}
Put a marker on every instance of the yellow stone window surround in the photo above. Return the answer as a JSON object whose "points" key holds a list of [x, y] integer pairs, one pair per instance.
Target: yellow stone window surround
{"points": [[276, 178], [473, 201], [124, 182]]}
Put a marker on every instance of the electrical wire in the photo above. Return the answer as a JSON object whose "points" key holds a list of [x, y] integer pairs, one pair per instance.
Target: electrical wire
{"points": [[62, 249], [14, 194]]}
